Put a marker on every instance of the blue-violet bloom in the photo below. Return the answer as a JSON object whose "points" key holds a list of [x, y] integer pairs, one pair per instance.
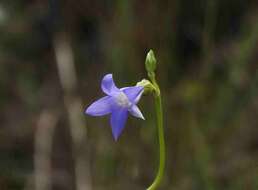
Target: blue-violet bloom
{"points": [[118, 103]]}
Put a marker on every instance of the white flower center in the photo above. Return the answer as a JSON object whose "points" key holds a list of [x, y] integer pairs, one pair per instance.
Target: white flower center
{"points": [[122, 100]]}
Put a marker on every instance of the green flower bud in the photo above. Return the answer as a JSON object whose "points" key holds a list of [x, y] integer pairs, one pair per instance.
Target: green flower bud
{"points": [[150, 62]]}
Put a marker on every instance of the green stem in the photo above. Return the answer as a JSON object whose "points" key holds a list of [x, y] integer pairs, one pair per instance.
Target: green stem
{"points": [[162, 154]]}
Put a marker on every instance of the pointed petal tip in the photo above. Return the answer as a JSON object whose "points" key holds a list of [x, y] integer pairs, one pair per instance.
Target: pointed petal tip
{"points": [[117, 121], [115, 138], [136, 112], [115, 135], [108, 85], [109, 75], [89, 112], [141, 117], [100, 107]]}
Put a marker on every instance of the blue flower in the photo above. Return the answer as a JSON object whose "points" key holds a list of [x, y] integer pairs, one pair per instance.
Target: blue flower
{"points": [[118, 103]]}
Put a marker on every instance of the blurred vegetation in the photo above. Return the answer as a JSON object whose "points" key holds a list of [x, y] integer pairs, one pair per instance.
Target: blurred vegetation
{"points": [[207, 67]]}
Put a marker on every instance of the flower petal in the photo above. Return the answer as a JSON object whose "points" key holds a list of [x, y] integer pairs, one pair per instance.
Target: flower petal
{"points": [[118, 119], [133, 93], [135, 111], [108, 86], [100, 107]]}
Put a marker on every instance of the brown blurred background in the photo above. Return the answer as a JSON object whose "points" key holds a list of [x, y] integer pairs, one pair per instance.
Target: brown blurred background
{"points": [[53, 55]]}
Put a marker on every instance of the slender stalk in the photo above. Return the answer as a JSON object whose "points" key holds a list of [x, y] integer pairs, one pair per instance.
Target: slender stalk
{"points": [[162, 151], [150, 65]]}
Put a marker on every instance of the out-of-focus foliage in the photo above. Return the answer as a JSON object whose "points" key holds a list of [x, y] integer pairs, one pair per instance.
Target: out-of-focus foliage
{"points": [[208, 71]]}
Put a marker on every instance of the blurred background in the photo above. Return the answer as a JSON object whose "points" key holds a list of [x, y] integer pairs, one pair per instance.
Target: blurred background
{"points": [[53, 55]]}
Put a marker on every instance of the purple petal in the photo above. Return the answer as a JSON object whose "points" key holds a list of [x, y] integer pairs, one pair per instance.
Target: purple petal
{"points": [[118, 119], [133, 93], [100, 107], [135, 111], [108, 86]]}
